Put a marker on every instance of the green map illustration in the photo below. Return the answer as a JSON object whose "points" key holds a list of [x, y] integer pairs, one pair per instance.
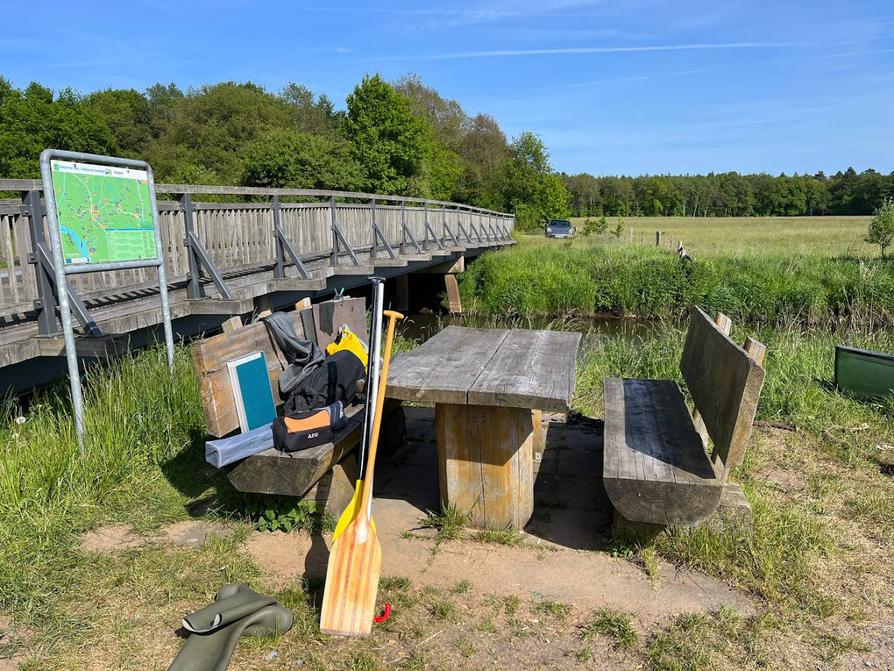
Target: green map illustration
{"points": [[104, 213]]}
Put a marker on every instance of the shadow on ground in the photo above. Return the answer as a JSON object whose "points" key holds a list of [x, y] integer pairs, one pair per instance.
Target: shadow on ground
{"points": [[571, 508]]}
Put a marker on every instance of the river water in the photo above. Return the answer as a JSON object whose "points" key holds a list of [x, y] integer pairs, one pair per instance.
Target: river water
{"points": [[422, 326]]}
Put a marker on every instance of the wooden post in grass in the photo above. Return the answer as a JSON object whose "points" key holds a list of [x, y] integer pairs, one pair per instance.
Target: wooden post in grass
{"points": [[658, 238]]}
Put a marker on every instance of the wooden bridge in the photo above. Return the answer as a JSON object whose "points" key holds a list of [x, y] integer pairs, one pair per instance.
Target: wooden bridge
{"points": [[228, 251]]}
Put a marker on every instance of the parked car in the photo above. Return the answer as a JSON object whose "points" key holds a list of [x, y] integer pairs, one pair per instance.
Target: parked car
{"points": [[559, 228]]}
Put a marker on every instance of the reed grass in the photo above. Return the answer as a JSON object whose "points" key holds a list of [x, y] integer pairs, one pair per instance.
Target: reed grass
{"points": [[581, 277]]}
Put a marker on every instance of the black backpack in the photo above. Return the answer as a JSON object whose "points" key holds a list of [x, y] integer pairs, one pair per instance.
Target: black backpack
{"points": [[334, 380]]}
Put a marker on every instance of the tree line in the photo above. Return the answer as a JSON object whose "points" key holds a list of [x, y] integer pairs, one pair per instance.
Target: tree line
{"points": [[399, 138], [729, 194]]}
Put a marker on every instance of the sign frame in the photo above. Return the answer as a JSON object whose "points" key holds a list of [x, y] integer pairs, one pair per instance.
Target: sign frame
{"points": [[61, 270]]}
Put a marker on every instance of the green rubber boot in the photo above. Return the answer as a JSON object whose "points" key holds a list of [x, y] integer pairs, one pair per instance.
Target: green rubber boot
{"points": [[214, 630]]}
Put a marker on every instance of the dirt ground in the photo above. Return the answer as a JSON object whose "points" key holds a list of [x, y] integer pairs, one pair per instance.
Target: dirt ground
{"points": [[457, 603]]}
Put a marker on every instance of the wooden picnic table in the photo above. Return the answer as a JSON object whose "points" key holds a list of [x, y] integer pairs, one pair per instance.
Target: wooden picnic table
{"points": [[489, 387]]}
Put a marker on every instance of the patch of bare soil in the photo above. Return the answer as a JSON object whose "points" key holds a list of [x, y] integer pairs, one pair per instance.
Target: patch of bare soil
{"points": [[531, 571], [785, 481], [878, 638], [118, 537], [12, 645], [111, 538]]}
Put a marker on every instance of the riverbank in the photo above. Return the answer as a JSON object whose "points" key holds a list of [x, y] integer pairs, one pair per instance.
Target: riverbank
{"points": [[586, 277]]}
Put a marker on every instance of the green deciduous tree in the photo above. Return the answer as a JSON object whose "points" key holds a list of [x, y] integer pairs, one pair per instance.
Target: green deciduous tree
{"points": [[881, 228], [33, 119], [289, 158], [127, 114], [209, 128], [387, 139], [531, 189]]}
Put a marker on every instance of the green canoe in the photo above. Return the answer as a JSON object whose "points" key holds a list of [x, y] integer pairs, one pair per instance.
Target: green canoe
{"points": [[863, 373]]}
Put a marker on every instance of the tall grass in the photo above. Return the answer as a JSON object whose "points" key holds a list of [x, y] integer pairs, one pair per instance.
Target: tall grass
{"points": [[579, 277], [138, 418]]}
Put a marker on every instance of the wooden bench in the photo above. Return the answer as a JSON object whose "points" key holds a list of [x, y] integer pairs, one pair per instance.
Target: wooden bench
{"points": [[314, 473], [657, 468]]}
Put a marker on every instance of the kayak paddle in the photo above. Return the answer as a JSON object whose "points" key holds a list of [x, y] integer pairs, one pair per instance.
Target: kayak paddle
{"points": [[355, 561]]}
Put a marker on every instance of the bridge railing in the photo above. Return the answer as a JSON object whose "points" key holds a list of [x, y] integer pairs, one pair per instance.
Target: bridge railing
{"points": [[238, 231]]}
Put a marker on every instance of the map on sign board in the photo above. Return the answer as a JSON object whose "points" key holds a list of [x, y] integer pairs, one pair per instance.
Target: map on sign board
{"points": [[104, 213]]}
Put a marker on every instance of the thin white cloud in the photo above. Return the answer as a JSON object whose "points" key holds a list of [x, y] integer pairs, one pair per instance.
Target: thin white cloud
{"points": [[512, 53], [683, 73]]}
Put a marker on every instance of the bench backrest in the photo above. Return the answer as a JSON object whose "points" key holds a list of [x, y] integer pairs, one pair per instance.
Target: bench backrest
{"points": [[318, 323], [725, 384]]}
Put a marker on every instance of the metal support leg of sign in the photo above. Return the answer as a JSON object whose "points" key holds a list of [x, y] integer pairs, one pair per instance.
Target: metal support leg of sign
{"points": [[75, 161], [284, 245]]}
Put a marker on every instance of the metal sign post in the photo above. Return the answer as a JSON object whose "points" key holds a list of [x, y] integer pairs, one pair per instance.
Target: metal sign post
{"points": [[108, 214]]}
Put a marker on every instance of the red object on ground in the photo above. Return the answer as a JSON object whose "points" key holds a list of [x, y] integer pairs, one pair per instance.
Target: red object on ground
{"points": [[379, 619]]}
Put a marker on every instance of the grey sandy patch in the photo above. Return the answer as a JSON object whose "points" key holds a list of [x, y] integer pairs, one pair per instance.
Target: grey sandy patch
{"points": [[557, 560], [878, 639], [584, 579], [118, 537], [195, 533], [786, 481]]}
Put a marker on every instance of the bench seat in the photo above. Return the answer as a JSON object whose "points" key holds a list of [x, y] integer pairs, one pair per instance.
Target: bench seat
{"points": [[656, 469], [294, 473]]}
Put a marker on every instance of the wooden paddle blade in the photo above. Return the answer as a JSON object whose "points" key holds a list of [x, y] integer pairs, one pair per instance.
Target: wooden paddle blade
{"points": [[352, 581], [350, 512]]}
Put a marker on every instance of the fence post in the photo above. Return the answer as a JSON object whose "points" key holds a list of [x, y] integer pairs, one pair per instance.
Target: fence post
{"points": [[194, 284], [279, 272], [47, 323], [658, 238], [333, 227], [372, 249]]}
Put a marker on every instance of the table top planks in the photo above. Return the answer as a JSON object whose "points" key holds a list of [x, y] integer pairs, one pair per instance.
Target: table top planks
{"points": [[489, 367], [531, 369]]}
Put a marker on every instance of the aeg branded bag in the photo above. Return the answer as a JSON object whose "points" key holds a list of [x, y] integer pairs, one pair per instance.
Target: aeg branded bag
{"points": [[305, 429]]}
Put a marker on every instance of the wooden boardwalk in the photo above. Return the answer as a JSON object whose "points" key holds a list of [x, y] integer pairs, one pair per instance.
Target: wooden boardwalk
{"points": [[339, 238]]}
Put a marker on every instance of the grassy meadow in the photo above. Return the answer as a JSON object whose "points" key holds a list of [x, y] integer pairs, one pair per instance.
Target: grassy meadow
{"points": [[829, 236], [601, 275]]}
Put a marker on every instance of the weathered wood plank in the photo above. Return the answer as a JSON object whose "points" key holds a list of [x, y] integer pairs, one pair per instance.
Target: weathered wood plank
{"points": [[725, 384], [655, 468], [210, 357], [531, 369], [444, 368]]}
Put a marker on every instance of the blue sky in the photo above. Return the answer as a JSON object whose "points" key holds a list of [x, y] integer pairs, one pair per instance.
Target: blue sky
{"points": [[633, 87]]}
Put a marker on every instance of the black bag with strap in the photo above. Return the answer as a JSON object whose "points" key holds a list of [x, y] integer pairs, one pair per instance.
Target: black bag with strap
{"points": [[303, 430], [334, 380]]}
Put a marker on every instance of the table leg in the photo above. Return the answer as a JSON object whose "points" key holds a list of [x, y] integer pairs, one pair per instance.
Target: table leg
{"points": [[539, 438], [485, 457]]}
